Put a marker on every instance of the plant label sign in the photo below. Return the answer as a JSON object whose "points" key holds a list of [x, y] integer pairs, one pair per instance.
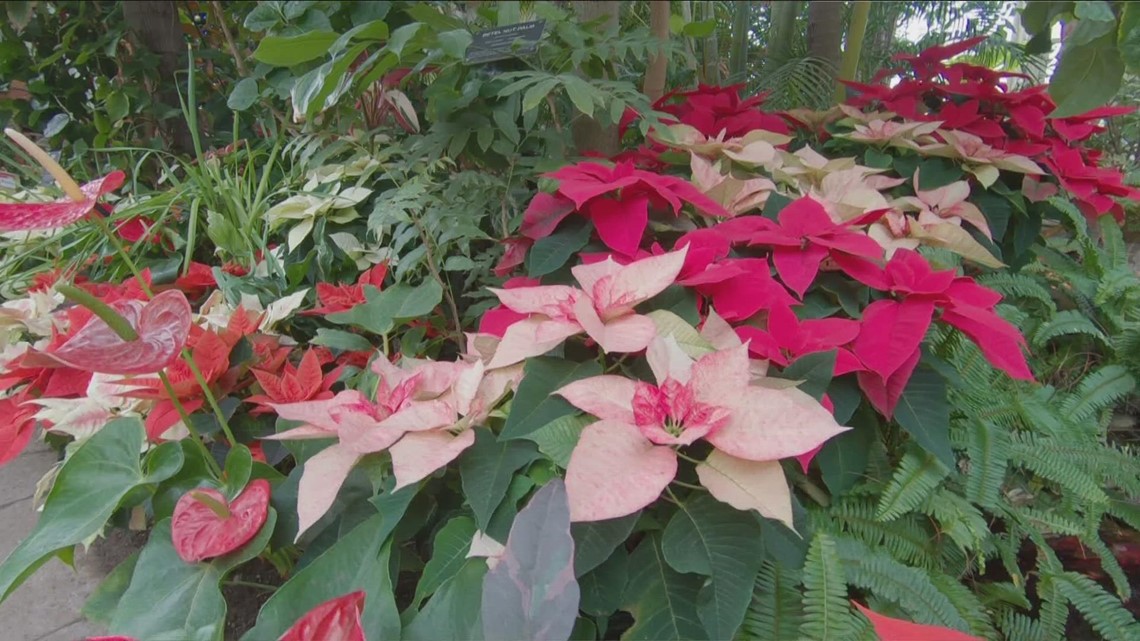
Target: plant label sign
{"points": [[505, 42]]}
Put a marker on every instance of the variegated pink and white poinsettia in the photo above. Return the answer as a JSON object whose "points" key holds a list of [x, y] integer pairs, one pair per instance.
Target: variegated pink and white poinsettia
{"points": [[421, 415], [603, 308], [625, 460]]}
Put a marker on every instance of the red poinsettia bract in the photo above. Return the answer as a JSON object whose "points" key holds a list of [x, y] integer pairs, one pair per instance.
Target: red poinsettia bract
{"points": [[200, 533], [305, 382], [889, 629], [893, 328], [334, 620], [340, 298], [17, 428]]}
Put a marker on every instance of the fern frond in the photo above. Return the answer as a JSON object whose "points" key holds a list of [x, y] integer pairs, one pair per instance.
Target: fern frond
{"points": [[958, 519], [1053, 614], [1103, 611], [1034, 455], [909, 587], [1100, 390], [1112, 243], [915, 479], [776, 610], [988, 450], [1070, 322], [1019, 626], [967, 604], [827, 614], [904, 538], [1022, 286], [1108, 563]]}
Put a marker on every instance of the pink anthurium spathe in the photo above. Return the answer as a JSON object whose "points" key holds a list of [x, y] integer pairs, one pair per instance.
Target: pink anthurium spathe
{"points": [[200, 532], [624, 461], [803, 237], [78, 201], [162, 325], [337, 619], [603, 308], [889, 629]]}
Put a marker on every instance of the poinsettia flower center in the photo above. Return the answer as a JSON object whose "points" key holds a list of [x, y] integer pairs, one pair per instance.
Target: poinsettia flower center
{"points": [[607, 305], [669, 414]]}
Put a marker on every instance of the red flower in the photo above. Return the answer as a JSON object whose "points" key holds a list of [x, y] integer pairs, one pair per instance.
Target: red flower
{"points": [[339, 298], [196, 280], [294, 384], [789, 338], [496, 320], [200, 533], [711, 110], [334, 620], [59, 213], [514, 255], [17, 428], [888, 629]]}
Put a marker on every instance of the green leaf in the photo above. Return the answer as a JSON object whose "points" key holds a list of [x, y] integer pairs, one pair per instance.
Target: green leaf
{"points": [[595, 541], [843, 459], [558, 438], [702, 29], [537, 93], [101, 605], [239, 464], [486, 469], [264, 16], [915, 478], [535, 404], [581, 94], [1128, 36], [826, 612], [85, 494], [603, 587], [924, 412], [1086, 31], [551, 253], [342, 340], [243, 96], [118, 105], [171, 599], [287, 51], [814, 370], [383, 309], [454, 43], [937, 172], [1087, 77], [663, 603], [711, 538], [688, 338], [454, 611], [1094, 10], [357, 561], [448, 554]]}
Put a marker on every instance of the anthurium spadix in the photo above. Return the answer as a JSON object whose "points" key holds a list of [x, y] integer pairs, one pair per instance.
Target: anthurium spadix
{"points": [[603, 308], [624, 461], [77, 203]]}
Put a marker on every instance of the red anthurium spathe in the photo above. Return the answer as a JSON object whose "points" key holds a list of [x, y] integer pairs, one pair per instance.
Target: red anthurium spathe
{"points": [[624, 461], [621, 221], [302, 383], [162, 324], [78, 203], [803, 237], [334, 620], [603, 308], [893, 329], [200, 533], [889, 629]]}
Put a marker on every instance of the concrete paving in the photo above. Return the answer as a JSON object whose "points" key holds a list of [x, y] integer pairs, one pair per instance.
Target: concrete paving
{"points": [[47, 606]]}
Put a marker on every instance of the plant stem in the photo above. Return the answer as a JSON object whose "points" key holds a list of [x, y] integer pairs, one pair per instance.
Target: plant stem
{"points": [[689, 485], [217, 469], [105, 312], [814, 491], [431, 263], [252, 584]]}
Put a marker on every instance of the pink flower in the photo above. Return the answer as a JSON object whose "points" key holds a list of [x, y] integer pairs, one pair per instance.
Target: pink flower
{"points": [[888, 629], [603, 308], [624, 461]]}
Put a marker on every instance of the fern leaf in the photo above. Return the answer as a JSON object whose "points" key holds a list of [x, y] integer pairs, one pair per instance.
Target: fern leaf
{"points": [[988, 450], [958, 519], [776, 609], [1053, 614], [1070, 322], [1104, 612], [1097, 391], [1112, 240], [1109, 564], [1034, 455], [904, 538], [966, 603], [1019, 627], [827, 615], [916, 478]]}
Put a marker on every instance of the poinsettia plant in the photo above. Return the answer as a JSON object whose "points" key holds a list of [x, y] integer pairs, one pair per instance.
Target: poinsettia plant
{"points": [[695, 366]]}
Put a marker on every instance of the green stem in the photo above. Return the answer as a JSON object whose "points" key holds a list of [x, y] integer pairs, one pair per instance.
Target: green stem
{"points": [[105, 312], [178, 407], [849, 66], [814, 491], [186, 356], [689, 485], [252, 584]]}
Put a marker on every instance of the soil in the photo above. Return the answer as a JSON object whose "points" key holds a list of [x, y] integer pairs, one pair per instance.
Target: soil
{"points": [[244, 602]]}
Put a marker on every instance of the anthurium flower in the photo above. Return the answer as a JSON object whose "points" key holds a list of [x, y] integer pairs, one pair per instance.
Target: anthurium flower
{"points": [[334, 620], [361, 427], [624, 461], [17, 428], [893, 329], [621, 221], [200, 532], [603, 308], [162, 325], [78, 203], [305, 382], [888, 629], [803, 236]]}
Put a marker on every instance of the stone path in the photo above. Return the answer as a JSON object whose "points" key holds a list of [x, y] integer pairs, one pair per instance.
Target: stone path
{"points": [[46, 607]]}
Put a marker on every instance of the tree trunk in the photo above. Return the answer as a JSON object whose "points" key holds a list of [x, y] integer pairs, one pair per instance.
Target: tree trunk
{"points": [[854, 46], [589, 134], [710, 50], [156, 28], [825, 30], [781, 32], [655, 73], [741, 28]]}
